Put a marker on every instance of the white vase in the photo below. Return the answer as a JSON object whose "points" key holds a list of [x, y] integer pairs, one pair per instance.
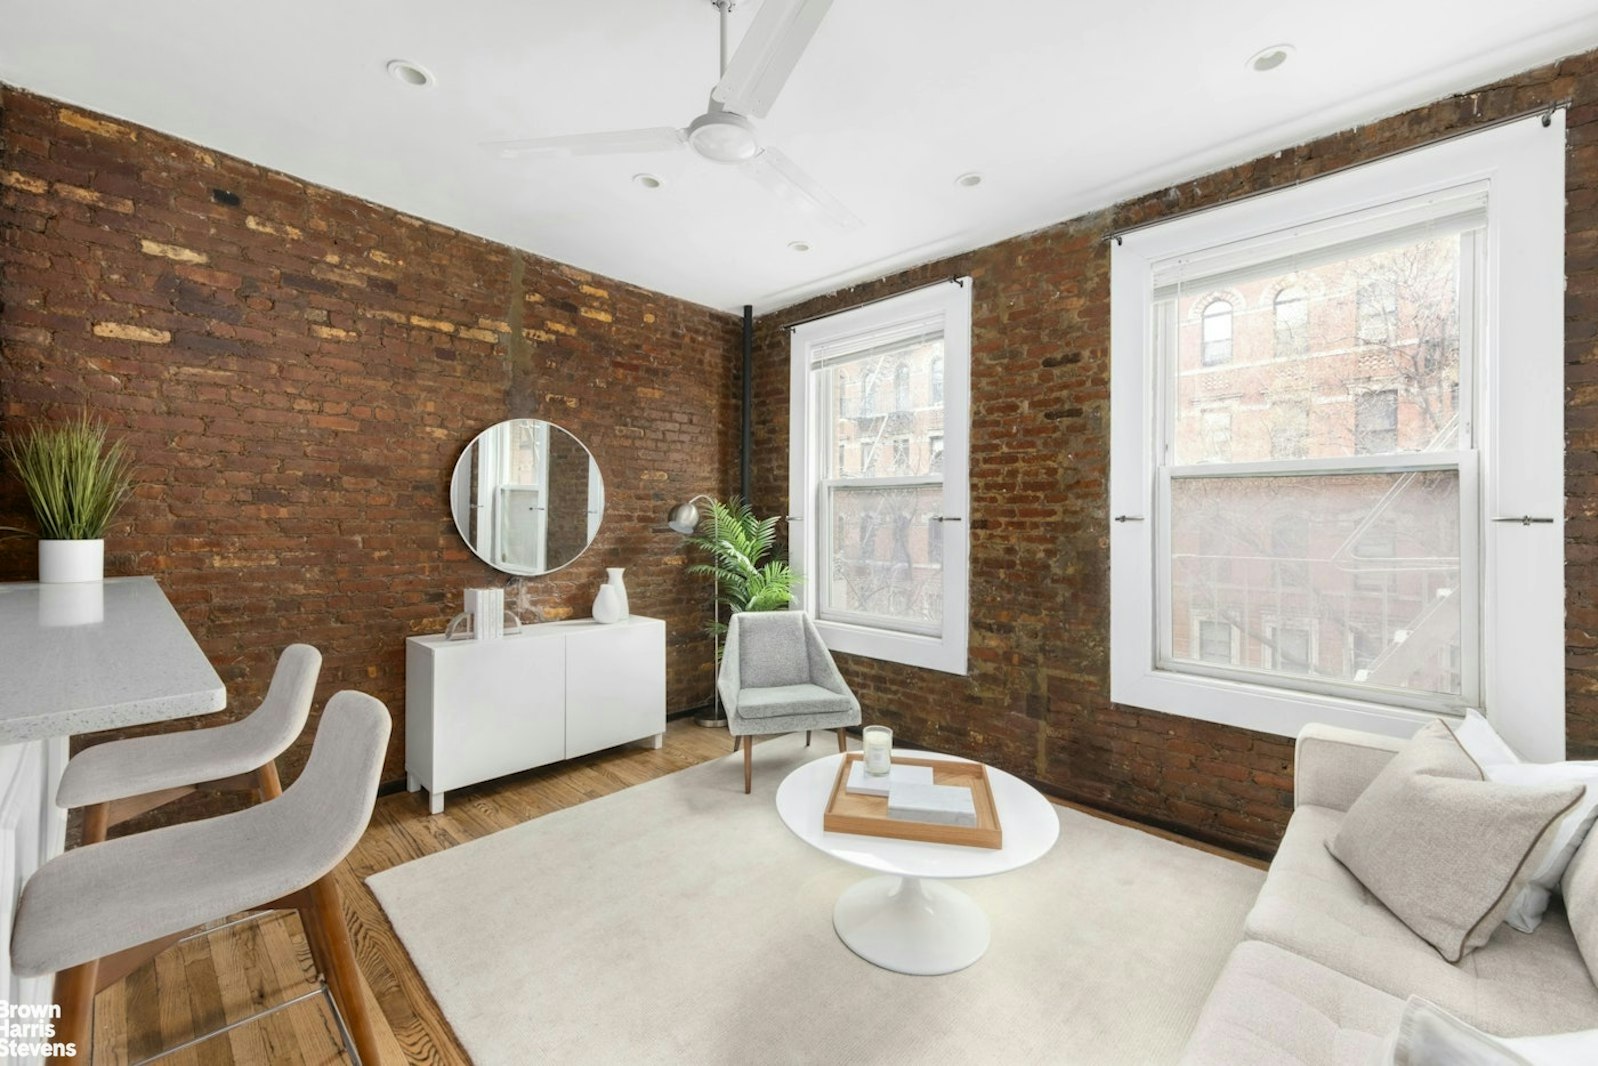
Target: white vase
{"points": [[607, 605], [616, 583], [62, 561]]}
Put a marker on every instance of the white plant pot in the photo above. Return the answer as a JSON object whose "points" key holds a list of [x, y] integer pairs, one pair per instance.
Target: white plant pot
{"points": [[64, 561], [77, 603]]}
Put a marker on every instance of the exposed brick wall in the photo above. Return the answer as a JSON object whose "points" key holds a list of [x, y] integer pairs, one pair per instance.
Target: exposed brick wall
{"points": [[1036, 701], [296, 372]]}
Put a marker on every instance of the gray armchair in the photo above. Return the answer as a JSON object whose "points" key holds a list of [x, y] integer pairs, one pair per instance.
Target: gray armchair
{"points": [[778, 677]]}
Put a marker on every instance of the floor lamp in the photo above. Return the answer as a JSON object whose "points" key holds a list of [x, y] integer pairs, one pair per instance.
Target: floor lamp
{"points": [[684, 519]]}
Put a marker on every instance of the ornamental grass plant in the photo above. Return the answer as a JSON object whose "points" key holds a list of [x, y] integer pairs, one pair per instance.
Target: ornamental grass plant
{"points": [[75, 481]]}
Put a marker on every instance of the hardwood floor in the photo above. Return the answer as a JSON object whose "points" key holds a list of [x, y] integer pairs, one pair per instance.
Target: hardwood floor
{"points": [[237, 970]]}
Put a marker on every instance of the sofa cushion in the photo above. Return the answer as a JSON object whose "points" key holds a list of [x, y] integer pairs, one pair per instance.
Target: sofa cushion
{"points": [[787, 701], [1273, 1008], [1445, 849], [1517, 984], [1579, 887]]}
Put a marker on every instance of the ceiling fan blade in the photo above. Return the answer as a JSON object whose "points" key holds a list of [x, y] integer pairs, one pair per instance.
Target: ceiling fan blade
{"points": [[616, 142], [779, 174], [767, 55]]}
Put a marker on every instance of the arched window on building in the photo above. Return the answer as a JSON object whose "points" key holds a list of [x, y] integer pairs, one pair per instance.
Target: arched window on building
{"points": [[1216, 327]]}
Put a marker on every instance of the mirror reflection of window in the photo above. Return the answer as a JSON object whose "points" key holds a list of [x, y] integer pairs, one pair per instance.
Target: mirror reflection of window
{"points": [[527, 497]]}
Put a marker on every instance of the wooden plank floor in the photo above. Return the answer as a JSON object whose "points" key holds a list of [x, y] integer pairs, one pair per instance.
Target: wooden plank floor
{"points": [[237, 970]]}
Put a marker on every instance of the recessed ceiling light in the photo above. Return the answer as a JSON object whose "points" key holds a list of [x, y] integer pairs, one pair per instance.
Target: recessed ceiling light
{"points": [[969, 180], [798, 246], [648, 181], [408, 73], [1268, 59]]}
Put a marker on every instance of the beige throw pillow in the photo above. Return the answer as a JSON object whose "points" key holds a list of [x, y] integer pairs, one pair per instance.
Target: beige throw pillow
{"points": [[1444, 849]]}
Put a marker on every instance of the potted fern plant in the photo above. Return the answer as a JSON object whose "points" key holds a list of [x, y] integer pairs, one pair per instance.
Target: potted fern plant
{"points": [[739, 548], [75, 483]]}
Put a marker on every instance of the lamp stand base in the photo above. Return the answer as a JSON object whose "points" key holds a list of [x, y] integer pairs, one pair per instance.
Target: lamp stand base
{"points": [[711, 721]]}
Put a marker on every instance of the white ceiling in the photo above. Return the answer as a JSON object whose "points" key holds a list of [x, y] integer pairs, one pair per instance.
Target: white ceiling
{"points": [[1063, 107]]}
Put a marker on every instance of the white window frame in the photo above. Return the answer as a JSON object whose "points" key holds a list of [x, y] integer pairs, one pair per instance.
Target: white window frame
{"points": [[1519, 438], [945, 649]]}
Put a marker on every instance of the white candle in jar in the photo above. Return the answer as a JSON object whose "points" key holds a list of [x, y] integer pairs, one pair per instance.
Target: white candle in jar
{"points": [[878, 743]]}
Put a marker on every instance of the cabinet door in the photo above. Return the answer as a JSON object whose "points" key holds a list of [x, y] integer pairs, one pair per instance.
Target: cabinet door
{"points": [[32, 832], [615, 685], [497, 708]]}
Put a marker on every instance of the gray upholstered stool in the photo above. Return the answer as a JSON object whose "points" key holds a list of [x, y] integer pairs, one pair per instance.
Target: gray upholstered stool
{"points": [[124, 778], [93, 915], [778, 677]]}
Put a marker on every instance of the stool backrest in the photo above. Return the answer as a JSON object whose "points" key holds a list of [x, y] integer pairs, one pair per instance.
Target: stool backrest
{"points": [[281, 717], [329, 805]]}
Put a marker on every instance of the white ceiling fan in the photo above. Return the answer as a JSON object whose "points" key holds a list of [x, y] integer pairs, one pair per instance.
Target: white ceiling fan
{"points": [[726, 132]]}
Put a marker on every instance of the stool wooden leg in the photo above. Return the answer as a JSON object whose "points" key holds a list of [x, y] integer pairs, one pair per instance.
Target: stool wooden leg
{"points": [[331, 940], [74, 994], [843, 740], [267, 783], [749, 763], [96, 820]]}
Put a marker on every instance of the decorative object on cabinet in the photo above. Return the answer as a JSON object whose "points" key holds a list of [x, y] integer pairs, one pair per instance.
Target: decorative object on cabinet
{"points": [[613, 576], [484, 618], [746, 578], [527, 497], [607, 605], [75, 483], [476, 710], [125, 902]]}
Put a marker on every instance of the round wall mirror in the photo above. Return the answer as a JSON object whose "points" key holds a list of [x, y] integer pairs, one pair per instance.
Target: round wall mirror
{"points": [[527, 496]]}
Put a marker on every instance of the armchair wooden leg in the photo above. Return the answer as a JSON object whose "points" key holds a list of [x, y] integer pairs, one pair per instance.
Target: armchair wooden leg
{"points": [[749, 763], [267, 783], [843, 740], [330, 941], [736, 741], [807, 738], [74, 994], [96, 821]]}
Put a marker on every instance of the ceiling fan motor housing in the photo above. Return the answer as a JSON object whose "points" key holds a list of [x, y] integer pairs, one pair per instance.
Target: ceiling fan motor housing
{"points": [[724, 137]]}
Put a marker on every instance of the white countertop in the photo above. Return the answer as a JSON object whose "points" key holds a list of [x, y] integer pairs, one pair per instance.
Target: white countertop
{"points": [[86, 657]]}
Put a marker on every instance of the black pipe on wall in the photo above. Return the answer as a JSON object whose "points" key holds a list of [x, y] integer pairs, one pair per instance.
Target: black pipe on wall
{"points": [[746, 444]]}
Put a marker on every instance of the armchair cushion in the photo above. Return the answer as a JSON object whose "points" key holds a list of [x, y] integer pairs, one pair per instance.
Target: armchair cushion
{"points": [[772, 650], [783, 701]]}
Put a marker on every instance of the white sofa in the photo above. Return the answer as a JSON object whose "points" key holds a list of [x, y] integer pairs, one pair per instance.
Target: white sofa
{"points": [[1321, 976]]}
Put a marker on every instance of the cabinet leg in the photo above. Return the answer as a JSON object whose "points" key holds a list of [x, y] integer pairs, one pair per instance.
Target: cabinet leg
{"points": [[435, 803], [654, 742], [411, 784]]}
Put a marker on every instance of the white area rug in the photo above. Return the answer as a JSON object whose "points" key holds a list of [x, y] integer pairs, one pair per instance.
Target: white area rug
{"points": [[680, 922]]}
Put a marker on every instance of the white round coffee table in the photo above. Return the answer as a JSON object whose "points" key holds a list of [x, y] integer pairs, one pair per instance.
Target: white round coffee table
{"points": [[906, 919]]}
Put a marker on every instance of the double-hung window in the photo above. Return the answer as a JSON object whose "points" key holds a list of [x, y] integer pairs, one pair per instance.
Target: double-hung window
{"points": [[1337, 488], [880, 544]]}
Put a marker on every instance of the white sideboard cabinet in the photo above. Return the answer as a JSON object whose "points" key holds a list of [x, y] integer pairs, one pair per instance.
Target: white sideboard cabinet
{"points": [[480, 709]]}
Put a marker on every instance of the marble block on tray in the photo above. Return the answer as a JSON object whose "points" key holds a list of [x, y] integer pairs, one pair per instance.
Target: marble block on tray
{"points": [[941, 804], [861, 783]]}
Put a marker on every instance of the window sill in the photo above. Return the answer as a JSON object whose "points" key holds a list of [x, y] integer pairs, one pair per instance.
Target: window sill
{"points": [[1258, 707], [943, 654]]}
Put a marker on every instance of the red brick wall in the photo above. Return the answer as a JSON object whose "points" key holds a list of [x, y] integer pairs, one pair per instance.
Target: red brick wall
{"points": [[1036, 701], [296, 371]]}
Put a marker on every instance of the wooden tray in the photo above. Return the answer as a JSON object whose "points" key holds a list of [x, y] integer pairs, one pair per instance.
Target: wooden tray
{"points": [[868, 815]]}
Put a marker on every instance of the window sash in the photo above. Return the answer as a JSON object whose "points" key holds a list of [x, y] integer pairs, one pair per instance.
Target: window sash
{"points": [[897, 324], [1470, 575]]}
